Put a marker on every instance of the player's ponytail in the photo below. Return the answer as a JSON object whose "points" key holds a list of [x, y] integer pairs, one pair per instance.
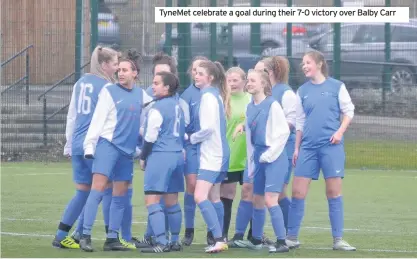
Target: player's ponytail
{"points": [[99, 56], [134, 58], [281, 69], [224, 89]]}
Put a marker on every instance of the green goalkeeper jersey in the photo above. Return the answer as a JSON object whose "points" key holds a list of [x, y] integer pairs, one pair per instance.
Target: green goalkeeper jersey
{"points": [[238, 103]]}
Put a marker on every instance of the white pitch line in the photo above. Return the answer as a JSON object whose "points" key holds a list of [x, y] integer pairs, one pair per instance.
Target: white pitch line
{"points": [[17, 167], [47, 220], [100, 222], [35, 235], [362, 230], [384, 176], [307, 248], [34, 174], [69, 172]]}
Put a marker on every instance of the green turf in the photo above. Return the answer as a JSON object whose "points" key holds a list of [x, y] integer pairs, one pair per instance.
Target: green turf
{"points": [[380, 216], [381, 155]]}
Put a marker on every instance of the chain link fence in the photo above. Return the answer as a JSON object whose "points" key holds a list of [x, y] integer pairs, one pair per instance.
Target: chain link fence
{"points": [[46, 46]]}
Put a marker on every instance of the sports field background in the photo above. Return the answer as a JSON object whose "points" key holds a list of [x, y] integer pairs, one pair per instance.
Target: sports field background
{"points": [[380, 209]]}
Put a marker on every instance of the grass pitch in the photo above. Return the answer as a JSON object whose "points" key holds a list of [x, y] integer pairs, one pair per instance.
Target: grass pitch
{"points": [[380, 216]]}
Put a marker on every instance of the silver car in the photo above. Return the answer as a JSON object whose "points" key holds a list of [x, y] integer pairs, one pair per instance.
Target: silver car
{"points": [[108, 27], [363, 54]]}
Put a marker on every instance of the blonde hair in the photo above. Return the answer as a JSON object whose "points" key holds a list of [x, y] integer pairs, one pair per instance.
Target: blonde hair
{"points": [[190, 68], [216, 70], [318, 57], [280, 67], [99, 56], [238, 71], [263, 74]]}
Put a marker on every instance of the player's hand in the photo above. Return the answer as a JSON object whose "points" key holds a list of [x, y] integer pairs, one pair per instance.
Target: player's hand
{"points": [[142, 164], [336, 138], [295, 156], [138, 151], [238, 130]]}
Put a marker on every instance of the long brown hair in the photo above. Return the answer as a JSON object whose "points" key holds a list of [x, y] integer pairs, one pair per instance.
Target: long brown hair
{"points": [[318, 57], [216, 70], [279, 66]]}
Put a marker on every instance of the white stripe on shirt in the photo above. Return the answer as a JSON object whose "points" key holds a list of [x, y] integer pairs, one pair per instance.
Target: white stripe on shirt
{"points": [[186, 110], [277, 133], [71, 117], [289, 106], [103, 122], [154, 124]]}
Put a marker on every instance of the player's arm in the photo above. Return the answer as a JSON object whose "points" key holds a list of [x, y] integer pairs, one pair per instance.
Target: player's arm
{"points": [[69, 130], [209, 107], [138, 149], [347, 108], [185, 107], [147, 103], [299, 121], [276, 134], [151, 132], [289, 107], [105, 104], [249, 151]]}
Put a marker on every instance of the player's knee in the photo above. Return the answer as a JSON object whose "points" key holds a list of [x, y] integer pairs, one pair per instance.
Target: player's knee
{"points": [[99, 182], [120, 188], [247, 190], [299, 193], [333, 187], [190, 184], [152, 198], [228, 190], [198, 198], [83, 187], [171, 199], [300, 187], [258, 201], [271, 199], [283, 194]]}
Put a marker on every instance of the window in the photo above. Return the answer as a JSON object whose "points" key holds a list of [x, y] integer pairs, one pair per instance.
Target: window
{"points": [[370, 34], [347, 33], [201, 26], [404, 34]]}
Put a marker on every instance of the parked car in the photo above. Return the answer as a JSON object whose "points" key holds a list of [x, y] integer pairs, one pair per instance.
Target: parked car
{"points": [[200, 39], [363, 54], [308, 30], [108, 27], [272, 35]]}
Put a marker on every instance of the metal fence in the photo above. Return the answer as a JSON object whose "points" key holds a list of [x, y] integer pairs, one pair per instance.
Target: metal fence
{"points": [[42, 58]]}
